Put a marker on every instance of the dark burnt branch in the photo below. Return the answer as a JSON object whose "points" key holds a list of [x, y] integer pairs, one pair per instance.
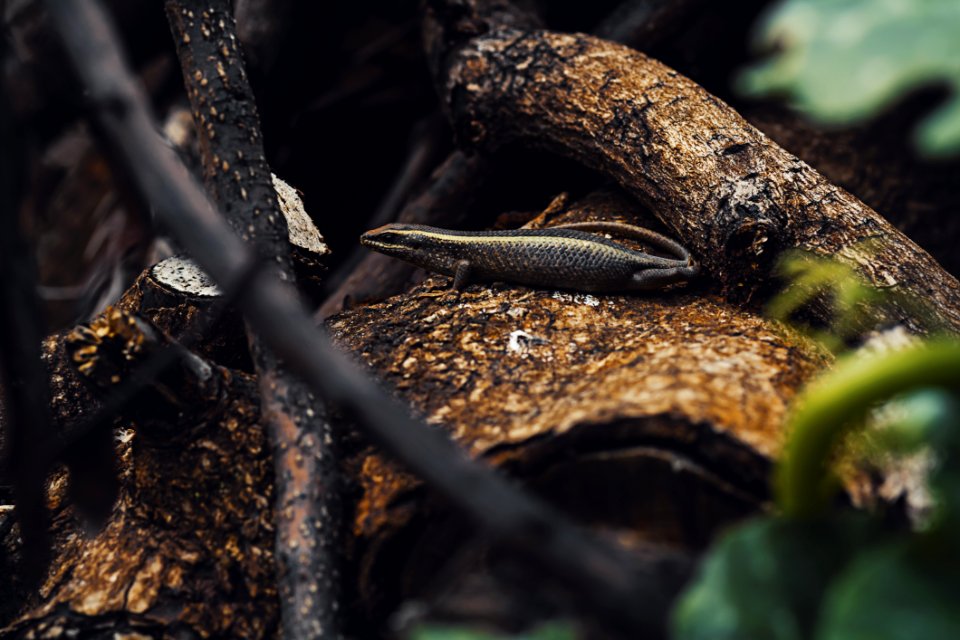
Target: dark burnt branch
{"points": [[26, 415], [191, 542], [600, 576], [193, 331], [236, 173], [724, 189], [452, 185]]}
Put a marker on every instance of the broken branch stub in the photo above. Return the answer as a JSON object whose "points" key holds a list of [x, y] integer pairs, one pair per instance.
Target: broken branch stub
{"points": [[729, 193]]}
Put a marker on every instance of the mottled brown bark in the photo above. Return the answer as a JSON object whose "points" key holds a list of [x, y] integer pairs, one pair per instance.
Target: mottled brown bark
{"points": [[735, 198], [639, 23], [878, 163], [189, 544], [238, 177], [680, 391]]}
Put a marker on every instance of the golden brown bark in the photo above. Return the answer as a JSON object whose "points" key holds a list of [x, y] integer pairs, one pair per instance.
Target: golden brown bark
{"points": [[548, 383], [189, 543], [727, 191]]}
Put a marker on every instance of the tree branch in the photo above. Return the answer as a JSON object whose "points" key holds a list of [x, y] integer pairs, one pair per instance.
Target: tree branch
{"points": [[729, 193], [601, 576], [237, 175]]}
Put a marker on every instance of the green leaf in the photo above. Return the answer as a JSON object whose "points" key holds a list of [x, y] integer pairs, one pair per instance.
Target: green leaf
{"points": [[905, 590], [844, 60], [809, 276], [765, 579]]}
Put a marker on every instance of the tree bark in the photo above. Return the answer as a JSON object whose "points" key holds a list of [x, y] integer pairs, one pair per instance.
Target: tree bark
{"points": [[548, 384], [735, 198], [237, 176], [189, 544]]}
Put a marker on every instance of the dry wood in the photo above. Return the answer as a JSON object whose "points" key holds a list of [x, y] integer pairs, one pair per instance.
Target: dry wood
{"points": [[640, 23], [548, 384], [604, 579], [878, 163], [190, 542], [733, 196]]}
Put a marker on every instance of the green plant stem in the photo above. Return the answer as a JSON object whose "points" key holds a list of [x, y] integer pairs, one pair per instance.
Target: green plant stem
{"points": [[838, 402]]}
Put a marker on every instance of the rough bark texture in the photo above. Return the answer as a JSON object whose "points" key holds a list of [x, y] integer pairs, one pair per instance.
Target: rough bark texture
{"points": [[640, 23], [735, 198], [238, 177], [189, 544], [569, 390], [879, 164]]}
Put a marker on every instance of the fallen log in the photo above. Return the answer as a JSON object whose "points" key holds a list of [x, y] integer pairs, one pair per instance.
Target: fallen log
{"points": [[734, 197], [654, 417], [190, 542]]}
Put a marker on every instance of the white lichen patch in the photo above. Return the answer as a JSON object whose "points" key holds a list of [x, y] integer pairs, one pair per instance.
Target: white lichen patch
{"points": [[520, 342], [182, 274], [301, 230], [888, 340]]}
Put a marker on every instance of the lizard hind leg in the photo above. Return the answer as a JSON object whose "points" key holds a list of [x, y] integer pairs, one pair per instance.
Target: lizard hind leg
{"points": [[461, 275]]}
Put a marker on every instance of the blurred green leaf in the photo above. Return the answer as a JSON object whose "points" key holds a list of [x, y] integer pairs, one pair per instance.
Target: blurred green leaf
{"points": [[555, 631], [904, 590], [809, 276], [764, 580], [844, 60]]}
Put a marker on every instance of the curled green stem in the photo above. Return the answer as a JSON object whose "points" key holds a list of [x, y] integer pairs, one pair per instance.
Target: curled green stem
{"points": [[838, 402]]}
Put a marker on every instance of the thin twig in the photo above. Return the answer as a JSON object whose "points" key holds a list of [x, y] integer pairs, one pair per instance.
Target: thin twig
{"points": [[602, 578]]}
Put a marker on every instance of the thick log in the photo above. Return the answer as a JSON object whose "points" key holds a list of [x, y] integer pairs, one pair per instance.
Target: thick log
{"points": [[640, 23], [681, 393], [877, 163], [727, 191], [189, 544], [600, 575]]}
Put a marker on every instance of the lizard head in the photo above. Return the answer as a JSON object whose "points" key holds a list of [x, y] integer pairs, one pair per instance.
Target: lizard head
{"points": [[418, 244]]}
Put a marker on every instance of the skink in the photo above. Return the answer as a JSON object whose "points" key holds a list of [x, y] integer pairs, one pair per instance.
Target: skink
{"points": [[570, 256]]}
